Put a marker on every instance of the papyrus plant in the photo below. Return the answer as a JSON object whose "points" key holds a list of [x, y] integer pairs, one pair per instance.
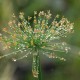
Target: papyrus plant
{"points": [[36, 35]]}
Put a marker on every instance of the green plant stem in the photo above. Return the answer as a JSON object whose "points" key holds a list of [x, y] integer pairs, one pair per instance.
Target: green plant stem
{"points": [[36, 67], [39, 68]]}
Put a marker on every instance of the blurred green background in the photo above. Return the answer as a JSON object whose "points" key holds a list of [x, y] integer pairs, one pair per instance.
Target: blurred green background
{"points": [[52, 69]]}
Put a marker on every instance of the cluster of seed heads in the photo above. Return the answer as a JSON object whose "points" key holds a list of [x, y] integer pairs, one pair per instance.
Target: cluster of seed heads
{"points": [[27, 36]]}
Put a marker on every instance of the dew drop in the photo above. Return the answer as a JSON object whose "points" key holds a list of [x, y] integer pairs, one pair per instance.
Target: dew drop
{"points": [[25, 50], [63, 43], [13, 59], [18, 48], [50, 55], [56, 57], [62, 59], [66, 49], [25, 56], [30, 53], [35, 73], [34, 61]]}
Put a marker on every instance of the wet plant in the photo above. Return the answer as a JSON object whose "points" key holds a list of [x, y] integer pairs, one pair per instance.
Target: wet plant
{"points": [[36, 35]]}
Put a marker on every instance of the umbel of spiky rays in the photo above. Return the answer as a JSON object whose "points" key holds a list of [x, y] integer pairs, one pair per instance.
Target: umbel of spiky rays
{"points": [[36, 36]]}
